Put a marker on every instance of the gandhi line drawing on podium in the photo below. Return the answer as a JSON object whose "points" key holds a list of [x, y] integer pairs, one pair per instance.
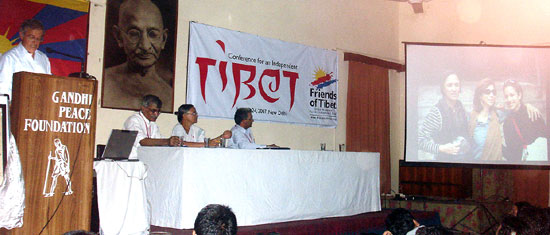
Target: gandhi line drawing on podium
{"points": [[61, 167]]}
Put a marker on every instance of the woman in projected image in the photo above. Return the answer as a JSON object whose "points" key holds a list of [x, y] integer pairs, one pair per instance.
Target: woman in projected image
{"points": [[519, 129], [444, 130], [484, 124]]}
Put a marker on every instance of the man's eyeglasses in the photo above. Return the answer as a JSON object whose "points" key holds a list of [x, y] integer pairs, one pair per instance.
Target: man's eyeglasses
{"points": [[153, 110], [35, 39], [194, 114], [134, 35]]}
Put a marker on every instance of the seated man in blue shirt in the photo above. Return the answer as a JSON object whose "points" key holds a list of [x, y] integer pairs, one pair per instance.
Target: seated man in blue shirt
{"points": [[242, 137]]}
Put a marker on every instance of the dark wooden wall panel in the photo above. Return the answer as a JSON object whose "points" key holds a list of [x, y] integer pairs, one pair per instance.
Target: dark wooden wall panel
{"points": [[531, 186], [436, 181]]}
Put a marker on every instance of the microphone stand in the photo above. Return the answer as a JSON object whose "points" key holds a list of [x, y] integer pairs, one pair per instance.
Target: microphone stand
{"points": [[82, 73]]}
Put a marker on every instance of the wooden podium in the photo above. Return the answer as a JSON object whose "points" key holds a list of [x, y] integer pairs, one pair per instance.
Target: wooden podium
{"points": [[53, 120]]}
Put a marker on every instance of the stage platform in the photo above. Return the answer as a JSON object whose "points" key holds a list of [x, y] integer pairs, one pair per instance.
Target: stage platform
{"points": [[372, 222]]}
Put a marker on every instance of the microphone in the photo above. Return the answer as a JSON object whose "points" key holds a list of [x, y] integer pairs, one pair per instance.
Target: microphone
{"points": [[50, 50], [82, 73]]}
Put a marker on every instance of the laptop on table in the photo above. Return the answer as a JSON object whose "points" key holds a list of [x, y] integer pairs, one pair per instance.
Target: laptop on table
{"points": [[119, 146]]}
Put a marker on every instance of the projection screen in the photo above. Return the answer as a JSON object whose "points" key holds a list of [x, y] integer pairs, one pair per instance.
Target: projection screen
{"points": [[477, 104]]}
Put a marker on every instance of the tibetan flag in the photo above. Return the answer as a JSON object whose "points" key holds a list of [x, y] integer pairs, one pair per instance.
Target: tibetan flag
{"points": [[66, 29]]}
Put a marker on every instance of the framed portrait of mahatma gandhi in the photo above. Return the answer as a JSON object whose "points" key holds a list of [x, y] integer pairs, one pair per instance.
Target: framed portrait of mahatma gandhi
{"points": [[139, 53]]}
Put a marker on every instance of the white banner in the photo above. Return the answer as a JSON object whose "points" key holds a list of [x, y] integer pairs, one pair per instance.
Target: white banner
{"points": [[280, 81]]}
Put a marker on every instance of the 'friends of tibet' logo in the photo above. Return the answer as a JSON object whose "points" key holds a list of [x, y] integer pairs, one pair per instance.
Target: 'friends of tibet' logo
{"points": [[322, 78]]}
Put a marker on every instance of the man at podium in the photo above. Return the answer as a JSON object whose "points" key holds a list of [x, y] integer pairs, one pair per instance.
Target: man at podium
{"points": [[25, 56]]}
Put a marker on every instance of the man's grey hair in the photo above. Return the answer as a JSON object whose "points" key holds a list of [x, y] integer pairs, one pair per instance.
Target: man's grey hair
{"points": [[31, 24], [151, 99]]}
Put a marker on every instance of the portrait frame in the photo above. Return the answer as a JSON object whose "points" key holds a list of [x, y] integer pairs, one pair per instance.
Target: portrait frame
{"points": [[120, 95]]}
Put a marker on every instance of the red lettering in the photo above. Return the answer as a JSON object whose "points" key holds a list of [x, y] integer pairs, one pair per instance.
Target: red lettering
{"points": [[270, 73], [223, 75], [292, 85], [222, 45], [203, 70], [237, 68]]}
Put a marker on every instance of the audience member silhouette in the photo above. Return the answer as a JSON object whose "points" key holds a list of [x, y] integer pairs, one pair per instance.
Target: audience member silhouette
{"points": [[215, 219], [400, 222]]}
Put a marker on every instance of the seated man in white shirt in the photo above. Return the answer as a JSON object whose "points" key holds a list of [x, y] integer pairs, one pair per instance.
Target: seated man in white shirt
{"points": [[148, 131], [242, 137], [190, 134]]}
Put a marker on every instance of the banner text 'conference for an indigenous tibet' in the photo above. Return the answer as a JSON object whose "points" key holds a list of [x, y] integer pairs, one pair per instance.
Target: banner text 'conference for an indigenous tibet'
{"points": [[280, 81]]}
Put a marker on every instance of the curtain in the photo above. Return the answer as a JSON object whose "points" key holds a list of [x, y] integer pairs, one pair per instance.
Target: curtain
{"points": [[368, 115]]}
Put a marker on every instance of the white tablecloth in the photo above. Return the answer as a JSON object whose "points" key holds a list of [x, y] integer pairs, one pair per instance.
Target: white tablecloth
{"points": [[121, 197], [261, 186]]}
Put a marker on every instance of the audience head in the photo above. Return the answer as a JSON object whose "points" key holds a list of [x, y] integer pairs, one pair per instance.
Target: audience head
{"points": [[433, 230], [520, 206], [545, 212], [216, 219], [400, 221], [511, 224], [150, 107], [243, 117], [529, 220], [186, 109], [526, 210], [535, 218]]}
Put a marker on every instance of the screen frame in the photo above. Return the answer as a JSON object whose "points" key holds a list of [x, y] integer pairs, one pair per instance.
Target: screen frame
{"points": [[404, 162]]}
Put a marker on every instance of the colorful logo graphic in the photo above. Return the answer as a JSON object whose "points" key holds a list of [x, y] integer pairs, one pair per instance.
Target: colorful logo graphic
{"points": [[322, 79], [65, 22], [5, 43]]}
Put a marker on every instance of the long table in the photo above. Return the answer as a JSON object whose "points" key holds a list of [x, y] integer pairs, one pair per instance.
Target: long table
{"points": [[261, 186]]}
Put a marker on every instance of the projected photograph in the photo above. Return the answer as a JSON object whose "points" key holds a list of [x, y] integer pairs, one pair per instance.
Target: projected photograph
{"points": [[477, 104]]}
